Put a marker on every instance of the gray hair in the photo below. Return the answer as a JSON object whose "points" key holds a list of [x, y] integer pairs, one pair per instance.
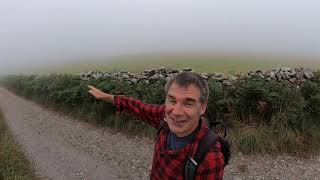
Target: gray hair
{"points": [[185, 79]]}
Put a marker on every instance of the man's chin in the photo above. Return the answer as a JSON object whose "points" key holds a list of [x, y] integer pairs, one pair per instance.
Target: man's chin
{"points": [[176, 130]]}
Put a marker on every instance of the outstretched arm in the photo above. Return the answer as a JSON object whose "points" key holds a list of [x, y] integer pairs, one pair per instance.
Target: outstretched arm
{"points": [[149, 113]]}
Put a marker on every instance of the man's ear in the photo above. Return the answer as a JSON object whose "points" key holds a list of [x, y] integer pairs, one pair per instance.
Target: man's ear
{"points": [[203, 107]]}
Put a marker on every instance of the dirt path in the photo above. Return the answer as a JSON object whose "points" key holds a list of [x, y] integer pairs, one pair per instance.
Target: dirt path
{"points": [[64, 148]]}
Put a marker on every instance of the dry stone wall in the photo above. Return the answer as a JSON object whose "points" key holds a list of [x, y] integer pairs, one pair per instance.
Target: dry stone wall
{"points": [[293, 75]]}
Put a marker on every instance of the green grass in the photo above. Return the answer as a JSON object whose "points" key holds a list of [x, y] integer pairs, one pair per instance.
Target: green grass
{"points": [[251, 139], [13, 163], [198, 62]]}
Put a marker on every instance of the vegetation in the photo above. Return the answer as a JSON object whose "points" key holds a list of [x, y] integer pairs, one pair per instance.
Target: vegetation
{"points": [[263, 116], [13, 163]]}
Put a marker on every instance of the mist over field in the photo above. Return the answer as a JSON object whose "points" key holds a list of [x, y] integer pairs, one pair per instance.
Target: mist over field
{"points": [[38, 34]]}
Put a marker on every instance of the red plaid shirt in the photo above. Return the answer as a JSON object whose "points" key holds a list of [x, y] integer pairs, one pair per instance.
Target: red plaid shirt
{"points": [[169, 164]]}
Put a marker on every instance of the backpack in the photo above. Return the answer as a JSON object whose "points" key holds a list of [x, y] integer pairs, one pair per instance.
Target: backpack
{"points": [[204, 145]]}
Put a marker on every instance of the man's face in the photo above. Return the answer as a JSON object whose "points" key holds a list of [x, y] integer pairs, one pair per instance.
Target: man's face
{"points": [[183, 109]]}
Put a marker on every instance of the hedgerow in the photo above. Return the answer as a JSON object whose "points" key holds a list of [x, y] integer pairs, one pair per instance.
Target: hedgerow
{"points": [[263, 116]]}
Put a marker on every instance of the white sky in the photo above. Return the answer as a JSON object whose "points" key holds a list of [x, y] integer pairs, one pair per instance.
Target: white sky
{"points": [[36, 32]]}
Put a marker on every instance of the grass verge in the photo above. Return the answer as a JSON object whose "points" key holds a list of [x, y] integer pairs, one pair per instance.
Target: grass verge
{"points": [[13, 163], [252, 139]]}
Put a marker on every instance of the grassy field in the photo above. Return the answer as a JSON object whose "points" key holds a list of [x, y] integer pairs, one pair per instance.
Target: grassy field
{"points": [[13, 163], [198, 62]]}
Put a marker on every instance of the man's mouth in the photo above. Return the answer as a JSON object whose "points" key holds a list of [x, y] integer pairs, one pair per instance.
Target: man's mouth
{"points": [[178, 122]]}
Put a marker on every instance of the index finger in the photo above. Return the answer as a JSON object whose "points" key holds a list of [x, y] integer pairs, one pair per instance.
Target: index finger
{"points": [[92, 88]]}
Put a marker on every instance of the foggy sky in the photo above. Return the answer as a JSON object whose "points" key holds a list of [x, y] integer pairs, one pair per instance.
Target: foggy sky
{"points": [[37, 32]]}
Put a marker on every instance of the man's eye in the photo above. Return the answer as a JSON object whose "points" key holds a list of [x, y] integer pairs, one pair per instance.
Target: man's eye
{"points": [[171, 101], [189, 104]]}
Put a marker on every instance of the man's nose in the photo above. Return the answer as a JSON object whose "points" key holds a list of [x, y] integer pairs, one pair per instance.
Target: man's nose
{"points": [[177, 110]]}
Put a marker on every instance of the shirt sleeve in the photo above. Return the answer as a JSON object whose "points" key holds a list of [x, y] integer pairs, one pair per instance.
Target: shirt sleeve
{"points": [[212, 166], [149, 113]]}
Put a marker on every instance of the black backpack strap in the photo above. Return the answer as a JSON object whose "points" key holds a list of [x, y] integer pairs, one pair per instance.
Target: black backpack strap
{"points": [[161, 126], [205, 144], [191, 165]]}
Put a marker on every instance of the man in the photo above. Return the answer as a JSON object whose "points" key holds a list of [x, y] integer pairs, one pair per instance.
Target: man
{"points": [[186, 101]]}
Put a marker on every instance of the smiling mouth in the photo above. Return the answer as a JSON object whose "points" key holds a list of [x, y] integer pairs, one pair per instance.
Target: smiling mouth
{"points": [[178, 121]]}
